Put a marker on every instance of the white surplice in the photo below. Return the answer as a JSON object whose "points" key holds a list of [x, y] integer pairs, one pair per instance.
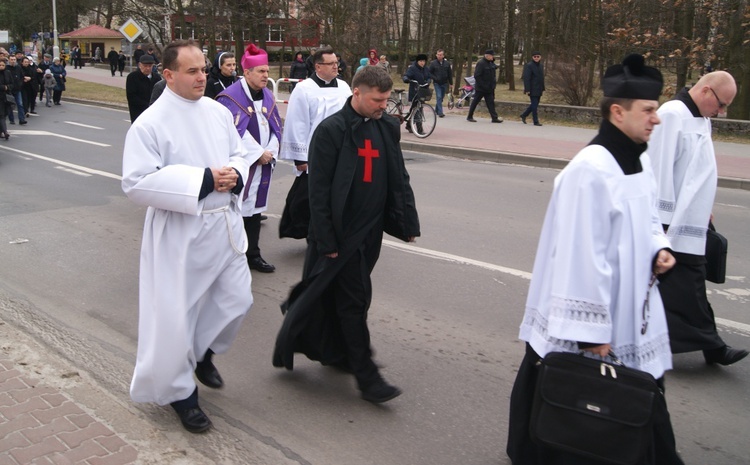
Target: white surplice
{"points": [[309, 104], [195, 285], [685, 169], [593, 265]]}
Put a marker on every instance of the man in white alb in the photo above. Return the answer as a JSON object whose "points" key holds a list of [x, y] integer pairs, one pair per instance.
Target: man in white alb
{"points": [[313, 100], [184, 160], [685, 168]]}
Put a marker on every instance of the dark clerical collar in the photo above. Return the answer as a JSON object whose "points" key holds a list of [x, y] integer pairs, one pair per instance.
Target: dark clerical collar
{"points": [[684, 97], [322, 83], [627, 153], [255, 94]]}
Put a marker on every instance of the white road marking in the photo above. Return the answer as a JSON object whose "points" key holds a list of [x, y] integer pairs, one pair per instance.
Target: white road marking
{"points": [[83, 125], [455, 258], [63, 136], [64, 163], [736, 326], [69, 170]]}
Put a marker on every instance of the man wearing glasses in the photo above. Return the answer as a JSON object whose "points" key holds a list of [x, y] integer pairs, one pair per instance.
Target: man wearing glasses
{"points": [[312, 101], [685, 169]]}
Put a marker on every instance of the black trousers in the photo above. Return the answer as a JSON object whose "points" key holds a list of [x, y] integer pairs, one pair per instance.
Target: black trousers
{"points": [[252, 230], [113, 68], [56, 95], [489, 99], [689, 314]]}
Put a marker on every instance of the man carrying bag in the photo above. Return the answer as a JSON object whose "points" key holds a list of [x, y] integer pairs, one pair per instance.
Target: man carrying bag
{"points": [[593, 287]]}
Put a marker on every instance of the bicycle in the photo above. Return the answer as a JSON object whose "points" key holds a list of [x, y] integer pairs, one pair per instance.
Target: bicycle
{"points": [[421, 118]]}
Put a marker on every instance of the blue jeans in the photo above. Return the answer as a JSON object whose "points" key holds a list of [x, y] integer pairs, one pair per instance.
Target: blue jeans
{"points": [[19, 106], [532, 109], [440, 90]]}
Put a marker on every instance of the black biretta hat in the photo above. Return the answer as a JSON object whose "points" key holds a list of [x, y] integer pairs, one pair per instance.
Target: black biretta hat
{"points": [[632, 80]]}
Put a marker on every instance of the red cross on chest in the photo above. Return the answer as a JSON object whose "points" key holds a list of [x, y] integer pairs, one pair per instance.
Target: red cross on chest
{"points": [[369, 153]]}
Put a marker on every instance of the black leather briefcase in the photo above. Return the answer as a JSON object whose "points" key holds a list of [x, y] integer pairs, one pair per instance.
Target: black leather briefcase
{"points": [[592, 408]]}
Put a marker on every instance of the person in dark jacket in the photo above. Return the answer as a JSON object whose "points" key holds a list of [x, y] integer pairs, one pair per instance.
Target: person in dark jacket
{"points": [[138, 86], [419, 73], [41, 68], [121, 62], [533, 86], [222, 75], [310, 63], [6, 88], [138, 53], [59, 73], [15, 70], [30, 85], [112, 58], [442, 79], [359, 189], [298, 70], [485, 75]]}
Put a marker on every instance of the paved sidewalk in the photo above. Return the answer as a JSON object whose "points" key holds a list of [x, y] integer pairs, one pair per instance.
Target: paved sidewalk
{"points": [[510, 142]]}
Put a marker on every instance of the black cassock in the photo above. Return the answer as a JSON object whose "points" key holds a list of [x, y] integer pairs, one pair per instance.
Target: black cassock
{"points": [[348, 215]]}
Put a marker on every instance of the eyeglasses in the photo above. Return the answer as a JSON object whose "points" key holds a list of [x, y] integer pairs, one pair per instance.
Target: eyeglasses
{"points": [[333, 64], [722, 105]]}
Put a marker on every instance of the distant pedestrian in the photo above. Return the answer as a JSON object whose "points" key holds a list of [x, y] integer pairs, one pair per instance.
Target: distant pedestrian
{"points": [[485, 77], [113, 57], [383, 63], [298, 70], [48, 85], [138, 53], [533, 86], [442, 79], [138, 87], [41, 69], [6, 88], [58, 71], [121, 58], [18, 79]]}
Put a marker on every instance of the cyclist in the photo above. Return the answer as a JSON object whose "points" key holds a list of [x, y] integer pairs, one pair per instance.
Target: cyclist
{"points": [[416, 72]]}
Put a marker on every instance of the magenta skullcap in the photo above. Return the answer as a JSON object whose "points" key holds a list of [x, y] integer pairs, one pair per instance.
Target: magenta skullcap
{"points": [[253, 57]]}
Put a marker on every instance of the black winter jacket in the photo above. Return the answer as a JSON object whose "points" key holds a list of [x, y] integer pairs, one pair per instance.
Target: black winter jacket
{"points": [[486, 76]]}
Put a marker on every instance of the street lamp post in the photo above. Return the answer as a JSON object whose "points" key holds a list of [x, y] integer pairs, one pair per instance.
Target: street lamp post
{"points": [[55, 40]]}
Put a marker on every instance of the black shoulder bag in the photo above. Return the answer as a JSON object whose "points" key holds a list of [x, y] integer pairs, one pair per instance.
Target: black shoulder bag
{"points": [[593, 408], [716, 256]]}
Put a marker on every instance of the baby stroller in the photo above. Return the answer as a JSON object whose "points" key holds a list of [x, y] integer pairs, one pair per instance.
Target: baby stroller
{"points": [[467, 93]]}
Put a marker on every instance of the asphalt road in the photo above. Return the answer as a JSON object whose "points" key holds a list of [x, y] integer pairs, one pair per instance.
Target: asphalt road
{"points": [[444, 317]]}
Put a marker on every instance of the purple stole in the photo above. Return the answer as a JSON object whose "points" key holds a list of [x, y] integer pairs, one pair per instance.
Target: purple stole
{"points": [[244, 119]]}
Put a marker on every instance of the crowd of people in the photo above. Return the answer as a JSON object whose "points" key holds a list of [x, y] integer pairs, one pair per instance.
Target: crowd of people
{"points": [[641, 194], [22, 81]]}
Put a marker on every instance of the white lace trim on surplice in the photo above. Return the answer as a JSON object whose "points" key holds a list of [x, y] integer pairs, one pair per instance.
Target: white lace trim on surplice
{"points": [[580, 311]]}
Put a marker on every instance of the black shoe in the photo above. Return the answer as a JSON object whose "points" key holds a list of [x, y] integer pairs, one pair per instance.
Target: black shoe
{"points": [[523, 118], [441, 116], [537, 124], [32, 112], [22, 122], [498, 120], [57, 103], [258, 264], [263, 217], [194, 420], [207, 373], [380, 392], [724, 356], [471, 120], [12, 122]]}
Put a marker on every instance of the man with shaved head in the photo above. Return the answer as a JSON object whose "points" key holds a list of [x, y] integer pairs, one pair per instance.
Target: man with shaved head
{"points": [[685, 169]]}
